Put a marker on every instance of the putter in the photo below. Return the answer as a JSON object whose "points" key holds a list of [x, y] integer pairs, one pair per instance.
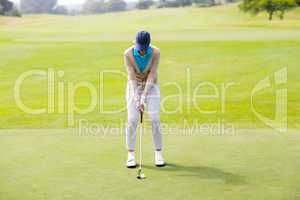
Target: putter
{"points": [[140, 174]]}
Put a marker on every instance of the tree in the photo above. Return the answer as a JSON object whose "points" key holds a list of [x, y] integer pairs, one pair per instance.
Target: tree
{"points": [[6, 6], [144, 4], [60, 10], [37, 6], [205, 2], [285, 5], [174, 3], [269, 6], [14, 12], [184, 3], [1, 10], [116, 5], [94, 6]]}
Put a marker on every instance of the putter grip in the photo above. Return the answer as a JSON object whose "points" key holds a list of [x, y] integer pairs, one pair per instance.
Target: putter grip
{"points": [[141, 117]]}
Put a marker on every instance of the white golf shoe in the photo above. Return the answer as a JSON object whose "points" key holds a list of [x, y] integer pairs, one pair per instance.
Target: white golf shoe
{"points": [[131, 160], [159, 160]]}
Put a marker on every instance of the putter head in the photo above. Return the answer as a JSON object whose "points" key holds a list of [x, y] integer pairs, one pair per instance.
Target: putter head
{"points": [[140, 174]]}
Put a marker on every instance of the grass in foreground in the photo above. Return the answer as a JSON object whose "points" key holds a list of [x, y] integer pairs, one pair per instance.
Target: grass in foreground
{"points": [[49, 164]]}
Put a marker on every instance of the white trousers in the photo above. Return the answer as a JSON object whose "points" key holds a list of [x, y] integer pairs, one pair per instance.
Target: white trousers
{"points": [[153, 110]]}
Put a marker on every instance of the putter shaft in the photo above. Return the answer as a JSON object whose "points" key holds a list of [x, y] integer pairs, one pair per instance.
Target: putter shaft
{"points": [[140, 175]]}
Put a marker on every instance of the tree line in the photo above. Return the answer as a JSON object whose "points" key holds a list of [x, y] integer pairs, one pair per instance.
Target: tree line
{"points": [[272, 7], [278, 7], [90, 6], [100, 6]]}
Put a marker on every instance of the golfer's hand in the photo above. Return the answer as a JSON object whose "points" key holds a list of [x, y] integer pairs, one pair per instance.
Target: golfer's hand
{"points": [[141, 108], [142, 103]]}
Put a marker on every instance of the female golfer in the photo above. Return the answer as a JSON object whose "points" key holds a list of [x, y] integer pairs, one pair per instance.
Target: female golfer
{"points": [[141, 61]]}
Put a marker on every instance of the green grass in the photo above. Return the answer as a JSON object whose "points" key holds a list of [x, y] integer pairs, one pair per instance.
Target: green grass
{"points": [[42, 160], [59, 164], [218, 44]]}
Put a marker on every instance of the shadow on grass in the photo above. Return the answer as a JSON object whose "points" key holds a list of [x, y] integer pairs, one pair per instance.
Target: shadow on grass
{"points": [[202, 172]]}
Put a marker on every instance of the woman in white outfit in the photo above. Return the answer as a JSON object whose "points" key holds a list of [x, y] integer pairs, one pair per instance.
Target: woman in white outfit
{"points": [[141, 61]]}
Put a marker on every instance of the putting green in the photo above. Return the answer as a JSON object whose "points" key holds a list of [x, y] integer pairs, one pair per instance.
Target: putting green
{"points": [[60, 164]]}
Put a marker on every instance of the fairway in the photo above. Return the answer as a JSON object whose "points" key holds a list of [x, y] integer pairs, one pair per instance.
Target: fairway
{"points": [[44, 157], [219, 45]]}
